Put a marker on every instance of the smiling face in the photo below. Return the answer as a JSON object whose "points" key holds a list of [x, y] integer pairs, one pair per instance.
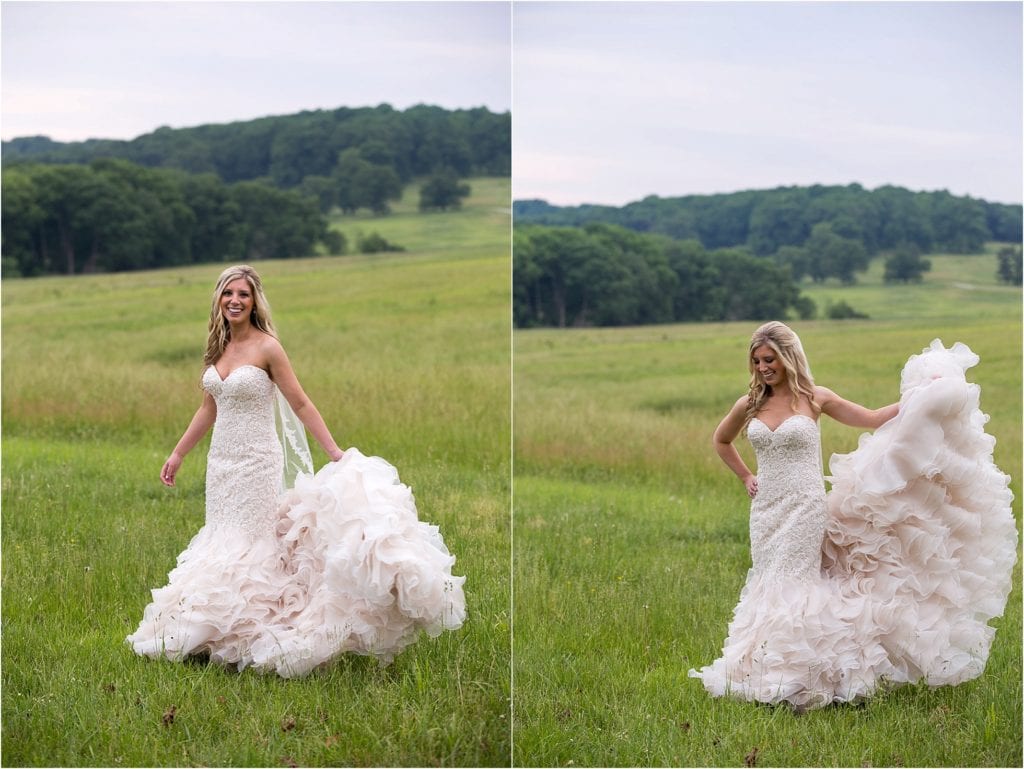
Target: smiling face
{"points": [[768, 366], [236, 301]]}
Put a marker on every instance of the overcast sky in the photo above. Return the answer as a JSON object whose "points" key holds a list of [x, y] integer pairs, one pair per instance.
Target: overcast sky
{"points": [[77, 70], [616, 101]]}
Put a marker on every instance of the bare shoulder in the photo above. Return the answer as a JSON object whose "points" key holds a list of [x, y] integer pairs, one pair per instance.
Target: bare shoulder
{"points": [[823, 395], [738, 411], [269, 345], [272, 352], [732, 422]]}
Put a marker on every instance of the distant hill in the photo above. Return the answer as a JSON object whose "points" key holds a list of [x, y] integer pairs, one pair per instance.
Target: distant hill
{"points": [[764, 221], [287, 149]]}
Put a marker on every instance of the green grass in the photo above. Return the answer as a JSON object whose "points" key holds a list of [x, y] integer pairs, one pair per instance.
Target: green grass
{"points": [[954, 281], [631, 543], [405, 355], [487, 209]]}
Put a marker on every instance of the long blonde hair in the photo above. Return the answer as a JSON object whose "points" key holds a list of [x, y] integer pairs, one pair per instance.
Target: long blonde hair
{"points": [[784, 342], [220, 329]]}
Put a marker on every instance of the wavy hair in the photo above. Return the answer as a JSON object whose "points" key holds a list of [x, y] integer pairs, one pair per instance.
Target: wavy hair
{"points": [[220, 329], [784, 342]]}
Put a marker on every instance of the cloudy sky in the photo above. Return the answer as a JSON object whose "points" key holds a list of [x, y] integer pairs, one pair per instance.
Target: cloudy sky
{"points": [[616, 101], [75, 70]]}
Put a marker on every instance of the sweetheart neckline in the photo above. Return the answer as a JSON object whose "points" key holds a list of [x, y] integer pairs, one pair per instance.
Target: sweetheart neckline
{"points": [[231, 373], [780, 424]]}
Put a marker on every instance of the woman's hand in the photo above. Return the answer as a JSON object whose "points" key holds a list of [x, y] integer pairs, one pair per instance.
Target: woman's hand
{"points": [[336, 455], [170, 469], [751, 483]]}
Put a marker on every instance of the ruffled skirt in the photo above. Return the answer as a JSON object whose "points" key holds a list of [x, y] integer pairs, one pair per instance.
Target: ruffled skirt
{"points": [[348, 568]]}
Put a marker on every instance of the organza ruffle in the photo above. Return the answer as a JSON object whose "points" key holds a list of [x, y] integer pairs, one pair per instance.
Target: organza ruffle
{"points": [[920, 521], [350, 568]]}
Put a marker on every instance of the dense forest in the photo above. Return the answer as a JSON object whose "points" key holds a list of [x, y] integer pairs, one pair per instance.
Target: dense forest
{"points": [[606, 275], [287, 149], [114, 215], [735, 257], [240, 191], [766, 221]]}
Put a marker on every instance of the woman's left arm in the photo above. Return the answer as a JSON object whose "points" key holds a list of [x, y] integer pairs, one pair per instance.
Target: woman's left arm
{"points": [[853, 414], [284, 377]]}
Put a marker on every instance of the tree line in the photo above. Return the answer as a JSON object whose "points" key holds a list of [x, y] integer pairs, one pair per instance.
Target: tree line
{"points": [[797, 225], [287, 150], [606, 275], [114, 215]]}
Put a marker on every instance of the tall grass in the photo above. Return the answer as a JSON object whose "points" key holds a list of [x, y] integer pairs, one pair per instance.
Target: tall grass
{"points": [[405, 355], [631, 540]]}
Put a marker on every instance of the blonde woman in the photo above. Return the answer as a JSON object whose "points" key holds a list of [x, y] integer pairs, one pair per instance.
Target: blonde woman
{"points": [[880, 580], [291, 568]]}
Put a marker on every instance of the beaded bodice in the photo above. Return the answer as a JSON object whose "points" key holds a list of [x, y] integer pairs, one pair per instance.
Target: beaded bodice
{"points": [[787, 516], [244, 467]]}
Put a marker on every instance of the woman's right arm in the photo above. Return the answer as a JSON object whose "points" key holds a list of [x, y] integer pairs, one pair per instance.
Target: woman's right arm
{"points": [[197, 428], [726, 432]]}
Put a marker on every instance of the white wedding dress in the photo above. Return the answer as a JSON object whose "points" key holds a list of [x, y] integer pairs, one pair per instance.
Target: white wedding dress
{"points": [[287, 581], [893, 575]]}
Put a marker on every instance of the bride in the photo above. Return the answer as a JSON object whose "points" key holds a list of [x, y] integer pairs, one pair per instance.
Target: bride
{"points": [[291, 568], [893, 575]]}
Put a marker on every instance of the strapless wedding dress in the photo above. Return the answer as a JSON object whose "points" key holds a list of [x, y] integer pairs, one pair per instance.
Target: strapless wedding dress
{"points": [[893, 575], [338, 563]]}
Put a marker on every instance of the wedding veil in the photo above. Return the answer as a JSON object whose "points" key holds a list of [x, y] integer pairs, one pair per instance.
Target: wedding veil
{"points": [[294, 445]]}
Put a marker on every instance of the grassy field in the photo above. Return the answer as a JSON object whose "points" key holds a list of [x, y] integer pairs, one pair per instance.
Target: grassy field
{"points": [[631, 542], [405, 355]]}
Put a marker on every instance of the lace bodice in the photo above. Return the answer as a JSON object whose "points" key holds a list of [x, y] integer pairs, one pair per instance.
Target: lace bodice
{"points": [[244, 467], [787, 517], [244, 399], [793, 446]]}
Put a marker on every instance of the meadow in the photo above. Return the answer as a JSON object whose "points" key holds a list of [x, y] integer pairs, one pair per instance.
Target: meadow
{"points": [[407, 357], [631, 541]]}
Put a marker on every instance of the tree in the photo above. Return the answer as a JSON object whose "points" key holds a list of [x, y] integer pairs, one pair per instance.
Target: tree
{"points": [[959, 223], [323, 189], [442, 191], [629, 277], [905, 265], [21, 219], [842, 311], [756, 289], [277, 224], [1010, 265], [526, 275], [796, 258], [778, 220], [362, 184], [831, 255], [699, 291]]}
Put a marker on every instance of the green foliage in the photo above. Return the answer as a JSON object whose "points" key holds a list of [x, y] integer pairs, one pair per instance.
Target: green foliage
{"points": [[770, 222], [405, 356], [276, 223], [361, 182], [289, 148], [443, 191], [806, 309], [955, 281], [842, 311], [606, 275], [830, 255], [905, 265], [114, 215], [1011, 267], [335, 242], [374, 243]]}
